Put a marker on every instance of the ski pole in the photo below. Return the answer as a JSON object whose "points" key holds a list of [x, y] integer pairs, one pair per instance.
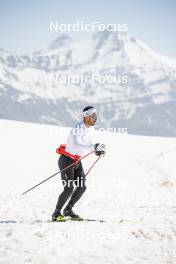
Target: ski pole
{"points": [[57, 173], [92, 165]]}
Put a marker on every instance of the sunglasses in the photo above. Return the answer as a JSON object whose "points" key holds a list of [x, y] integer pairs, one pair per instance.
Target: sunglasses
{"points": [[94, 116]]}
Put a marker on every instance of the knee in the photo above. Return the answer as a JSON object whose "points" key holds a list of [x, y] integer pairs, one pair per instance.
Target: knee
{"points": [[68, 190], [83, 188]]}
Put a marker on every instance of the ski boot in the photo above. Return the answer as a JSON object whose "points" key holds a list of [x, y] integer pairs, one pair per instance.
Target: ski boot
{"points": [[69, 212], [57, 216]]}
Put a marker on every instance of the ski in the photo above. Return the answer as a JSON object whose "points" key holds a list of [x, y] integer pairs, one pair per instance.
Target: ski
{"points": [[121, 221]]}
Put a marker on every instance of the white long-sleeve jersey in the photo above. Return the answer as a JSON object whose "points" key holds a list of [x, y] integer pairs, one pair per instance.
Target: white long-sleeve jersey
{"points": [[80, 139]]}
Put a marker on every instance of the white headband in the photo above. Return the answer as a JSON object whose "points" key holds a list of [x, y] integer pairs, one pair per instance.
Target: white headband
{"points": [[89, 112]]}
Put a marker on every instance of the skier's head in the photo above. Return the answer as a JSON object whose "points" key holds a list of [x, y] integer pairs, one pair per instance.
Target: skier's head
{"points": [[90, 115]]}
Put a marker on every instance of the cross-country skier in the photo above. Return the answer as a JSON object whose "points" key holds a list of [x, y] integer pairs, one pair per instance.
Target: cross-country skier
{"points": [[79, 142]]}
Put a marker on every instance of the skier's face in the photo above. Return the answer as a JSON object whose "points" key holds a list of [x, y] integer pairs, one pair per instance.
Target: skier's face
{"points": [[91, 120]]}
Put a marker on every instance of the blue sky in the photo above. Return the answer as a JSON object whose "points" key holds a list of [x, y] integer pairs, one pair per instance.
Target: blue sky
{"points": [[24, 25]]}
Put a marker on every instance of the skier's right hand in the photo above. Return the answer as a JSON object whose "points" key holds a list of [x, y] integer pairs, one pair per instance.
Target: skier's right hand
{"points": [[99, 149]]}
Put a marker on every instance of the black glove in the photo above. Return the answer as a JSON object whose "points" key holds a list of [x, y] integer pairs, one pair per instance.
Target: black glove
{"points": [[99, 149]]}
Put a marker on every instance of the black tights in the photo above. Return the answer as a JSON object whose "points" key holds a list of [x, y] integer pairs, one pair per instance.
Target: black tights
{"points": [[74, 176]]}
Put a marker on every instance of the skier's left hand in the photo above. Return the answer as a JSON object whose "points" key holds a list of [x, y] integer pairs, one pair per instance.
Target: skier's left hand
{"points": [[99, 149]]}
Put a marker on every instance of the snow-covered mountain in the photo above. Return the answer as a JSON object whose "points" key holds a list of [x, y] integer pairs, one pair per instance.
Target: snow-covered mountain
{"points": [[143, 98]]}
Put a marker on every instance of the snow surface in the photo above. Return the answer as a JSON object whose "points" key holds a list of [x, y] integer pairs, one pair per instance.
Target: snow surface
{"points": [[135, 180]]}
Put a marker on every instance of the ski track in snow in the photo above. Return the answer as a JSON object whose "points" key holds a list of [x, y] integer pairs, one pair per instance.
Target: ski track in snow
{"points": [[135, 180]]}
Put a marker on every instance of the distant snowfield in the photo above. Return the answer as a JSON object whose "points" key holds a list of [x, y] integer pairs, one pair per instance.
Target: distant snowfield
{"points": [[135, 180]]}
